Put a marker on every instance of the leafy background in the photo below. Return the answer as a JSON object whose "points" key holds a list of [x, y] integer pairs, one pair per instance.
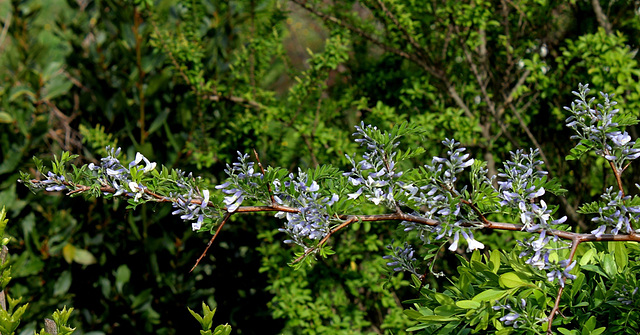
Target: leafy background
{"points": [[187, 83]]}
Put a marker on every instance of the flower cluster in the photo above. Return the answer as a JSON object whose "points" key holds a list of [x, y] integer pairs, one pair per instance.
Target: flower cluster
{"points": [[189, 203], [597, 126], [626, 297], [439, 197], [536, 250], [522, 187], [467, 234], [560, 271], [112, 173], [313, 220], [375, 174], [241, 176], [190, 210], [54, 183], [452, 165], [401, 258], [617, 214], [512, 318]]}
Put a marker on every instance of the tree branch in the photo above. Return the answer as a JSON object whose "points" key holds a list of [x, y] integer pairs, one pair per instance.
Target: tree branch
{"points": [[603, 21]]}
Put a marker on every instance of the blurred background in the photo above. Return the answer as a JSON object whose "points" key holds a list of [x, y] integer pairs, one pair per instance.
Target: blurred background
{"points": [[188, 83]]}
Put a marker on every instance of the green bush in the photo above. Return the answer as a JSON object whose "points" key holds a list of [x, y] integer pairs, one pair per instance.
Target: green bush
{"points": [[189, 83]]}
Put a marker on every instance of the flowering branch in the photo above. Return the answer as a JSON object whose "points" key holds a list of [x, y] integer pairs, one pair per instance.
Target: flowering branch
{"points": [[428, 201]]}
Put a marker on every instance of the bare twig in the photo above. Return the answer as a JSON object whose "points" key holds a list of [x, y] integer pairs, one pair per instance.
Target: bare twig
{"points": [[235, 99], [224, 220], [5, 29], [4, 252], [325, 17], [137, 22], [603, 21], [617, 174]]}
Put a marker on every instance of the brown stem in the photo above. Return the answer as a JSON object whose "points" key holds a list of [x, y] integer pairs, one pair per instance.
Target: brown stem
{"points": [[617, 173], [575, 241], [224, 220], [567, 235], [137, 21], [603, 21], [349, 221]]}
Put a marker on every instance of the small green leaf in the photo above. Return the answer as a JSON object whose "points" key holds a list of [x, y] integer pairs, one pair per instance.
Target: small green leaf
{"points": [[511, 280], [222, 330], [83, 257], [594, 268], [123, 274], [444, 299], [6, 117], [586, 258], [195, 315], [468, 304], [436, 318], [412, 314], [609, 265], [62, 284], [621, 255], [494, 259], [589, 326], [576, 284], [565, 331], [490, 295]]}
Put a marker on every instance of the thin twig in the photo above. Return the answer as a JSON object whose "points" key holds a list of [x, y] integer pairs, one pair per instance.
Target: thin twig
{"points": [[432, 70], [5, 29], [224, 220], [617, 173], [273, 200], [601, 17], [575, 241], [350, 220]]}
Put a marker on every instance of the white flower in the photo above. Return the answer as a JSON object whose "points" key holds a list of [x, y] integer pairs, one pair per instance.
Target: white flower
{"points": [[598, 232], [314, 187], [454, 244], [140, 157], [355, 195], [137, 189], [205, 201], [473, 244]]}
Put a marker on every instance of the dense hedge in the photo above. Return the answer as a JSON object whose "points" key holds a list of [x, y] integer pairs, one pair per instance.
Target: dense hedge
{"points": [[189, 83]]}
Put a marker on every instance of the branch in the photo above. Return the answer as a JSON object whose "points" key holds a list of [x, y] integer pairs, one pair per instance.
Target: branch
{"points": [[224, 220], [327, 18], [347, 219], [420, 49], [582, 237], [5, 28], [603, 21], [242, 101]]}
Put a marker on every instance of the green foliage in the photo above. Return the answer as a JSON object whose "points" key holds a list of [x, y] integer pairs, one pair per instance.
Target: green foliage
{"points": [[189, 83], [60, 318], [502, 279], [206, 322]]}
